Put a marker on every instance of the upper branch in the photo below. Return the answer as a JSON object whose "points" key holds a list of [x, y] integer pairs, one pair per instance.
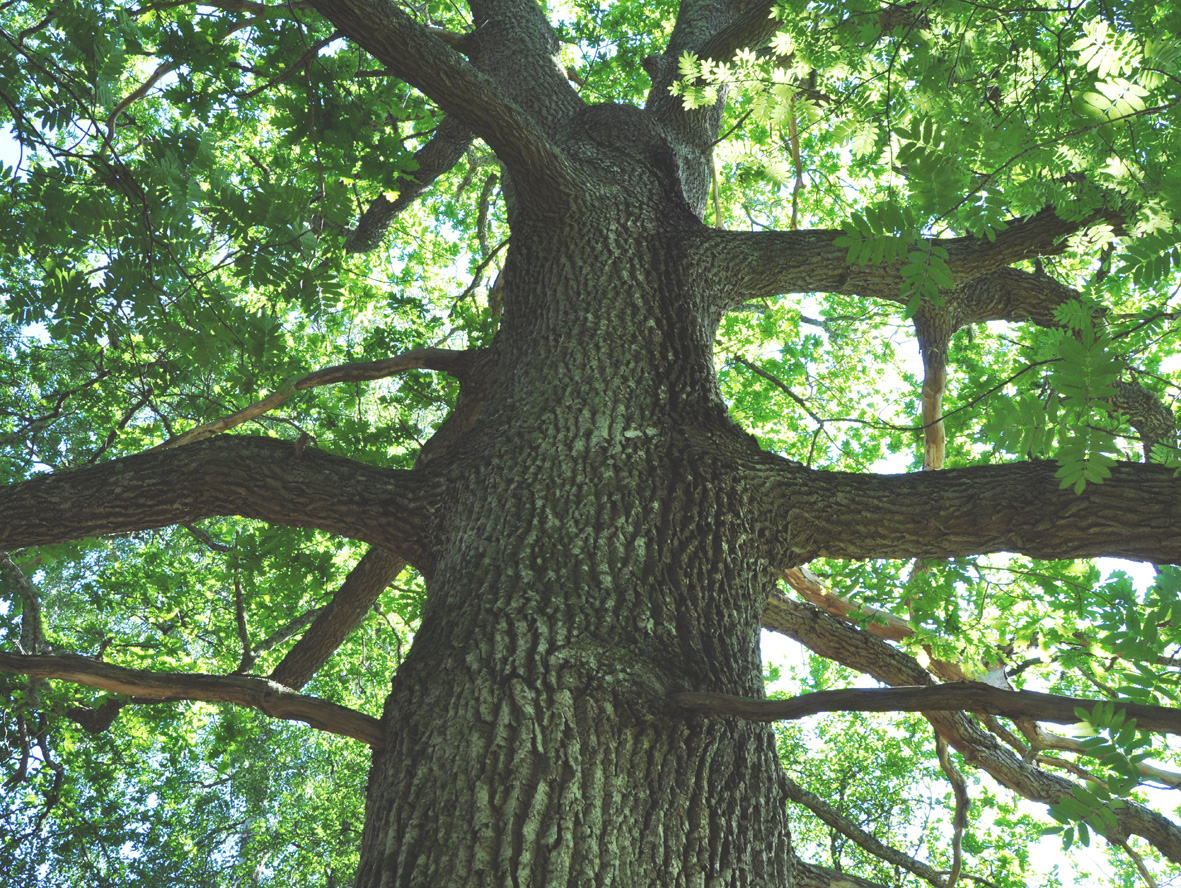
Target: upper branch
{"points": [[749, 31], [414, 54], [446, 360], [435, 158], [765, 264], [693, 131], [277, 481], [1136, 513], [516, 46]]}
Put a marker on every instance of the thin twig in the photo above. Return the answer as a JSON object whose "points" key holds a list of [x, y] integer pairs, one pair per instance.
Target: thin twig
{"points": [[424, 358], [960, 820]]}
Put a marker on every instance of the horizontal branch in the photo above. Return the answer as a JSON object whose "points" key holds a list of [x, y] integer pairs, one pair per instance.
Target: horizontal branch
{"points": [[770, 263], [970, 696], [1009, 294], [281, 482], [258, 693], [1021, 507], [364, 371]]}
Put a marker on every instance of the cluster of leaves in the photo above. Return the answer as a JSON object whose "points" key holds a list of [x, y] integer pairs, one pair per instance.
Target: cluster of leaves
{"points": [[888, 233], [1112, 739]]}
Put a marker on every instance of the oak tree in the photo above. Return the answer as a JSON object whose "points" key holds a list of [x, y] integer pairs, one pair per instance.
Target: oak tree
{"points": [[495, 373]]}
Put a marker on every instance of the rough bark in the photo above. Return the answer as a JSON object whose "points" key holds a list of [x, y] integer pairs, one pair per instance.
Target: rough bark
{"points": [[592, 561], [284, 482], [1013, 508], [597, 535]]}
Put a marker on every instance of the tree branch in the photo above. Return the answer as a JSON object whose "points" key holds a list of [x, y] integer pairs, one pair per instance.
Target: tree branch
{"points": [[444, 150], [875, 621], [962, 802], [412, 53], [694, 131], [518, 48], [970, 696], [349, 606], [827, 814], [1020, 507], [257, 693], [262, 478], [419, 359], [765, 264], [32, 634], [750, 30], [378, 567], [830, 638], [809, 875], [1008, 294]]}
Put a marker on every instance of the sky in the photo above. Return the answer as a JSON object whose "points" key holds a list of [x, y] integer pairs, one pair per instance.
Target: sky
{"points": [[9, 149]]}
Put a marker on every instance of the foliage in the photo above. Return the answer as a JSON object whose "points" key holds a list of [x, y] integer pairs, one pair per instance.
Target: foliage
{"points": [[175, 225]]}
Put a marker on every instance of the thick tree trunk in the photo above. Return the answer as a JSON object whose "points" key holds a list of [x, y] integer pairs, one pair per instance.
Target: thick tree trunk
{"points": [[590, 563]]}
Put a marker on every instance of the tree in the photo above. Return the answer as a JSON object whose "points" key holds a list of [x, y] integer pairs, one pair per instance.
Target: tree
{"points": [[669, 398]]}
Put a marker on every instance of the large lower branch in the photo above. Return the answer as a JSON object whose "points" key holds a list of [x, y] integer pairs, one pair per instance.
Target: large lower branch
{"points": [[281, 482], [257, 693], [1136, 513]]}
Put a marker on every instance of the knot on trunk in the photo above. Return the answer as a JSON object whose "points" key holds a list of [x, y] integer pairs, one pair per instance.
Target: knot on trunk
{"points": [[624, 141]]}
